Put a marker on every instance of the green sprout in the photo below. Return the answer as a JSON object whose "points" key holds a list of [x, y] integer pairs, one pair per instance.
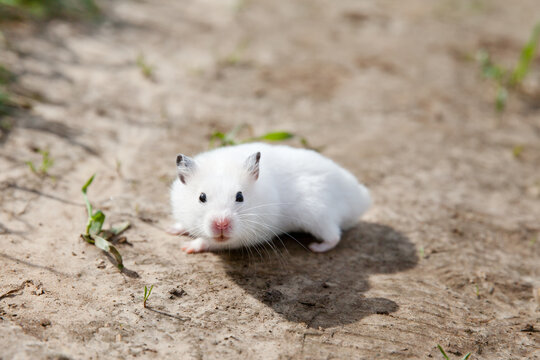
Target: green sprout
{"points": [[509, 79], [46, 162], [147, 293], [44, 9], [94, 233], [446, 356], [146, 69], [527, 55], [517, 150]]}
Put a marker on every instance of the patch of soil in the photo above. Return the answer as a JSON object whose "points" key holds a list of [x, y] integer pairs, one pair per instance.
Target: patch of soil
{"points": [[447, 255]]}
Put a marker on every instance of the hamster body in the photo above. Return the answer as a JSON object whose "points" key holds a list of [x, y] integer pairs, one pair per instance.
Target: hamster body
{"points": [[247, 194]]}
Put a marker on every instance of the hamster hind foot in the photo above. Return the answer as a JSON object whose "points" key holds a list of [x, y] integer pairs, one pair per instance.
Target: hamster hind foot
{"points": [[330, 235], [323, 246]]}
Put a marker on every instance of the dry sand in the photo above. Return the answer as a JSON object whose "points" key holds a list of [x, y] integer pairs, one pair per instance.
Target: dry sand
{"points": [[447, 255]]}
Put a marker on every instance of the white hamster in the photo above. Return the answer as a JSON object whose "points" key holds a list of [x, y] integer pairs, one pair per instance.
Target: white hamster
{"points": [[247, 194]]}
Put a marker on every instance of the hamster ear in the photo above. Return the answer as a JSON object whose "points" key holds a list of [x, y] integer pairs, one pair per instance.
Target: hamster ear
{"points": [[184, 166], [252, 165]]}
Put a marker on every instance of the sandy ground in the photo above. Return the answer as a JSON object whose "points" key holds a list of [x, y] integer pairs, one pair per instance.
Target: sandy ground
{"points": [[449, 254]]}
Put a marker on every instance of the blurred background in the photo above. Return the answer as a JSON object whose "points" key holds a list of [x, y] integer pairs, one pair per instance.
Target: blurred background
{"points": [[434, 105]]}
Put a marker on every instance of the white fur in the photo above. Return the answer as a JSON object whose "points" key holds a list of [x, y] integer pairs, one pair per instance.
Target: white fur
{"points": [[297, 190]]}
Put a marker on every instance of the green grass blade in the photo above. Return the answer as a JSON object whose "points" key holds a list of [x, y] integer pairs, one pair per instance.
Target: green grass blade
{"points": [[466, 356], [442, 352], [108, 247], [527, 55], [46, 162], [276, 136], [31, 166], [87, 202], [87, 184], [147, 293], [217, 136]]}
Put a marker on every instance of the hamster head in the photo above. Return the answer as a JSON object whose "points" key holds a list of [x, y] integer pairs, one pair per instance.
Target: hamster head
{"points": [[214, 198]]}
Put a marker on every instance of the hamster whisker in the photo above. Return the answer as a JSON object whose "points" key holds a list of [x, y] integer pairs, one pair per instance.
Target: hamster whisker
{"points": [[260, 222], [247, 244], [269, 242], [269, 227], [243, 239]]}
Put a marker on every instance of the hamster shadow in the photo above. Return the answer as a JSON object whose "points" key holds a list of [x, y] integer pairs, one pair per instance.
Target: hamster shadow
{"points": [[323, 290]]}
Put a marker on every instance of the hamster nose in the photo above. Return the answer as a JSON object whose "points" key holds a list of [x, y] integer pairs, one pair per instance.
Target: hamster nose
{"points": [[221, 224]]}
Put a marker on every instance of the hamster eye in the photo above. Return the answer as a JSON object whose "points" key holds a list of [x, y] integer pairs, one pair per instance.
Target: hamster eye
{"points": [[202, 197], [239, 197]]}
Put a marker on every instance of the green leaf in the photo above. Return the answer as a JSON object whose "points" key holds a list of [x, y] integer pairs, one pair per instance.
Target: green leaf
{"points": [[96, 224], [442, 352], [466, 356], [221, 137], [218, 135], [117, 229], [517, 150], [108, 247], [31, 166], [527, 55], [87, 202], [277, 136], [147, 292], [87, 184]]}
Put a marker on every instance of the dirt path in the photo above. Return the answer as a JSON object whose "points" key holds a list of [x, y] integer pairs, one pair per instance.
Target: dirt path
{"points": [[447, 255]]}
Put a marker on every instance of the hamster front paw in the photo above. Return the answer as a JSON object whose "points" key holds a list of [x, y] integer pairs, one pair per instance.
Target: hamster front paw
{"points": [[177, 229], [196, 246]]}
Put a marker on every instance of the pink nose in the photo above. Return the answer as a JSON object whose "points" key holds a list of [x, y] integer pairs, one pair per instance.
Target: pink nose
{"points": [[221, 224]]}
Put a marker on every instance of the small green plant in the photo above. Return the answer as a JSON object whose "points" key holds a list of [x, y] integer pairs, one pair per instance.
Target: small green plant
{"points": [[509, 79], [46, 162], [517, 150], [147, 293], [235, 57], [42, 9], [146, 69], [446, 356], [95, 234], [219, 139]]}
